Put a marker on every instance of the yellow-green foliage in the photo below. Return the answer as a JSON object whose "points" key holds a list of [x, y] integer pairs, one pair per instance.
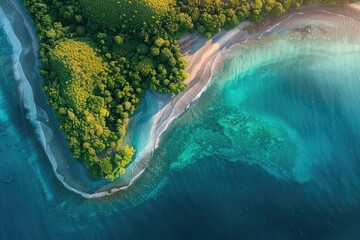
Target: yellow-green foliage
{"points": [[95, 85], [77, 66], [78, 70], [125, 12]]}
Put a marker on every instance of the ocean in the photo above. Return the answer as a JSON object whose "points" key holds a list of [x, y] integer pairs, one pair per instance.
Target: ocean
{"points": [[269, 151]]}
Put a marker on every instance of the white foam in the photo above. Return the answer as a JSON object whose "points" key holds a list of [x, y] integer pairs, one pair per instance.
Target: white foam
{"points": [[159, 122]]}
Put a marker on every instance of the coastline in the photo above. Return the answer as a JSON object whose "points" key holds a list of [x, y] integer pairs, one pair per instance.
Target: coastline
{"points": [[40, 118], [203, 57]]}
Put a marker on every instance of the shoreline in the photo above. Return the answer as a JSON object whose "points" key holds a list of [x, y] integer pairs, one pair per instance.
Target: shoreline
{"points": [[203, 70], [203, 57], [40, 117]]}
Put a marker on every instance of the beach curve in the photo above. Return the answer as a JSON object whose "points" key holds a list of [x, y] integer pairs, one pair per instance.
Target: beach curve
{"points": [[202, 63]]}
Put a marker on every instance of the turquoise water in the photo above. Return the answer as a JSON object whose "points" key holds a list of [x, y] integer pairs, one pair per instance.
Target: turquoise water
{"points": [[287, 106], [269, 151]]}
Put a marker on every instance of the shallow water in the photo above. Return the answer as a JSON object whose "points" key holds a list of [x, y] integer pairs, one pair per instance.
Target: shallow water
{"points": [[270, 150]]}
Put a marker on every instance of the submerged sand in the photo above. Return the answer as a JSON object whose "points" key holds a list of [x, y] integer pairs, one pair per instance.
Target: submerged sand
{"points": [[203, 56]]}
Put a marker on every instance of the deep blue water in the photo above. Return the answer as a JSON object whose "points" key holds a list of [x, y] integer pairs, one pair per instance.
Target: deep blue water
{"points": [[270, 151]]}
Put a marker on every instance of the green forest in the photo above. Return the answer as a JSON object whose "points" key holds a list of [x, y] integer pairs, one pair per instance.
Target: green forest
{"points": [[98, 59]]}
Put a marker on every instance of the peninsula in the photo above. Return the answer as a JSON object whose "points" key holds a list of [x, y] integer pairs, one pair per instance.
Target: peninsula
{"points": [[98, 59]]}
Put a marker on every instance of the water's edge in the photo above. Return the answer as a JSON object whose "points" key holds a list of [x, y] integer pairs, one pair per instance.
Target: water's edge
{"points": [[44, 120]]}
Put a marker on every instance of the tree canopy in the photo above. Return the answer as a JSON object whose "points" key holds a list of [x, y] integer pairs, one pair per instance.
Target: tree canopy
{"points": [[100, 57]]}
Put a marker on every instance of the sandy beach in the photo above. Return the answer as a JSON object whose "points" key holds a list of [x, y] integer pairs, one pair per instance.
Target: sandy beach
{"points": [[203, 56]]}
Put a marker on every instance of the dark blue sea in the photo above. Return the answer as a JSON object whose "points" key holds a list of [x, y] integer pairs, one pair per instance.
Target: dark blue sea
{"points": [[270, 151]]}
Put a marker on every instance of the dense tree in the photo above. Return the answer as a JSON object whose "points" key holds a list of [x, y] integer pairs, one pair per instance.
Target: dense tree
{"points": [[100, 57]]}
